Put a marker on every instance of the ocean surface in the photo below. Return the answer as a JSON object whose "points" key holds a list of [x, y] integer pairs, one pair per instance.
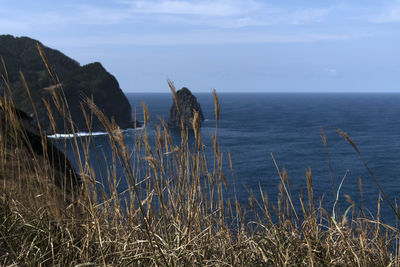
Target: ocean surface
{"points": [[253, 127]]}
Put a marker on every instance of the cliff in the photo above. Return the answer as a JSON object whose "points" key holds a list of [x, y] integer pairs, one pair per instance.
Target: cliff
{"points": [[77, 82], [188, 104], [27, 153]]}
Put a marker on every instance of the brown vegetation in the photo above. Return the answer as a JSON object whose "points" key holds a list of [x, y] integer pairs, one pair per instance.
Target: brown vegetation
{"points": [[177, 214]]}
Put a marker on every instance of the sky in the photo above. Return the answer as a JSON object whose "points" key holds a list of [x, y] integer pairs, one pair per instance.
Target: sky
{"points": [[229, 45]]}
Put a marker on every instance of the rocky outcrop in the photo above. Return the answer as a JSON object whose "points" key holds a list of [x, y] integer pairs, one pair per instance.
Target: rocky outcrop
{"points": [[74, 83], [34, 148], [188, 104]]}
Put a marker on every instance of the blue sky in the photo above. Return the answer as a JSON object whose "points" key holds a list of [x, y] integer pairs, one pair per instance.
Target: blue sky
{"points": [[230, 45]]}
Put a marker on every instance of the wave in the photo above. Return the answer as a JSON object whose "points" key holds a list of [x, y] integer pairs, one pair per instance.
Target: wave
{"points": [[81, 134]]}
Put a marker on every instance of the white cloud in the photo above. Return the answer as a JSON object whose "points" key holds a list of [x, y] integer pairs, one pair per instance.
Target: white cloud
{"points": [[217, 13], [331, 71], [154, 13], [259, 19], [220, 8], [225, 13], [196, 38], [215, 22], [390, 14], [98, 16], [308, 15]]}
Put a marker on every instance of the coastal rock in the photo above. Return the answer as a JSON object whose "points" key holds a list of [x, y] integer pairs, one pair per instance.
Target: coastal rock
{"points": [[34, 149], [74, 84], [188, 104]]}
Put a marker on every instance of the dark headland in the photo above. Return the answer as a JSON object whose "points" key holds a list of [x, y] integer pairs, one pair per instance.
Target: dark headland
{"points": [[76, 81]]}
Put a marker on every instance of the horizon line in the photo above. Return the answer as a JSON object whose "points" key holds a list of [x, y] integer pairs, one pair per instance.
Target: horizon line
{"points": [[272, 92]]}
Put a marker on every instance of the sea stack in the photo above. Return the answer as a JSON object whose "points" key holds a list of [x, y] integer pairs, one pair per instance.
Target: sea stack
{"points": [[188, 104]]}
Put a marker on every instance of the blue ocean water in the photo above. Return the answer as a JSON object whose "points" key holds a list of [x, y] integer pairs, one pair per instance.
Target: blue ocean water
{"points": [[288, 126]]}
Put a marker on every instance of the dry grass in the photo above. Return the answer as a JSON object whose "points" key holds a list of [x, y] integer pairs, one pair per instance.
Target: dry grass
{"points": [[177, 214]]}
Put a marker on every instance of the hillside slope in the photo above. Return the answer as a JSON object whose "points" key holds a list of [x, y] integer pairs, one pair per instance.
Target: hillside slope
{"points": [[77, 82]]}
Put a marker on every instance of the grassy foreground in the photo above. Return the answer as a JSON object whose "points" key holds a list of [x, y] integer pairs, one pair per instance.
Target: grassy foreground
{"points": [[177, 215]]}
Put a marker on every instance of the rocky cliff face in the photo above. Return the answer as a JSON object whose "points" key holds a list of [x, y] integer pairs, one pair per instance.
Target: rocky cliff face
{"points": [[75, 81], [32, 147], [188, 104]]}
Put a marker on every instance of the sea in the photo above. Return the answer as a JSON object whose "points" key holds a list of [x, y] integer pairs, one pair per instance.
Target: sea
{"points": [[259, 129]]}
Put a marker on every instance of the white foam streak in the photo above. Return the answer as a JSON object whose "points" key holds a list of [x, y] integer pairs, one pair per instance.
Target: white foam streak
{"points": [[82, 134]]}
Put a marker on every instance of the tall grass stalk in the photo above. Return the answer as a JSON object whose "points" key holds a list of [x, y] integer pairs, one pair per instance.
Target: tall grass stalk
{"points": [[174, 212]]}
